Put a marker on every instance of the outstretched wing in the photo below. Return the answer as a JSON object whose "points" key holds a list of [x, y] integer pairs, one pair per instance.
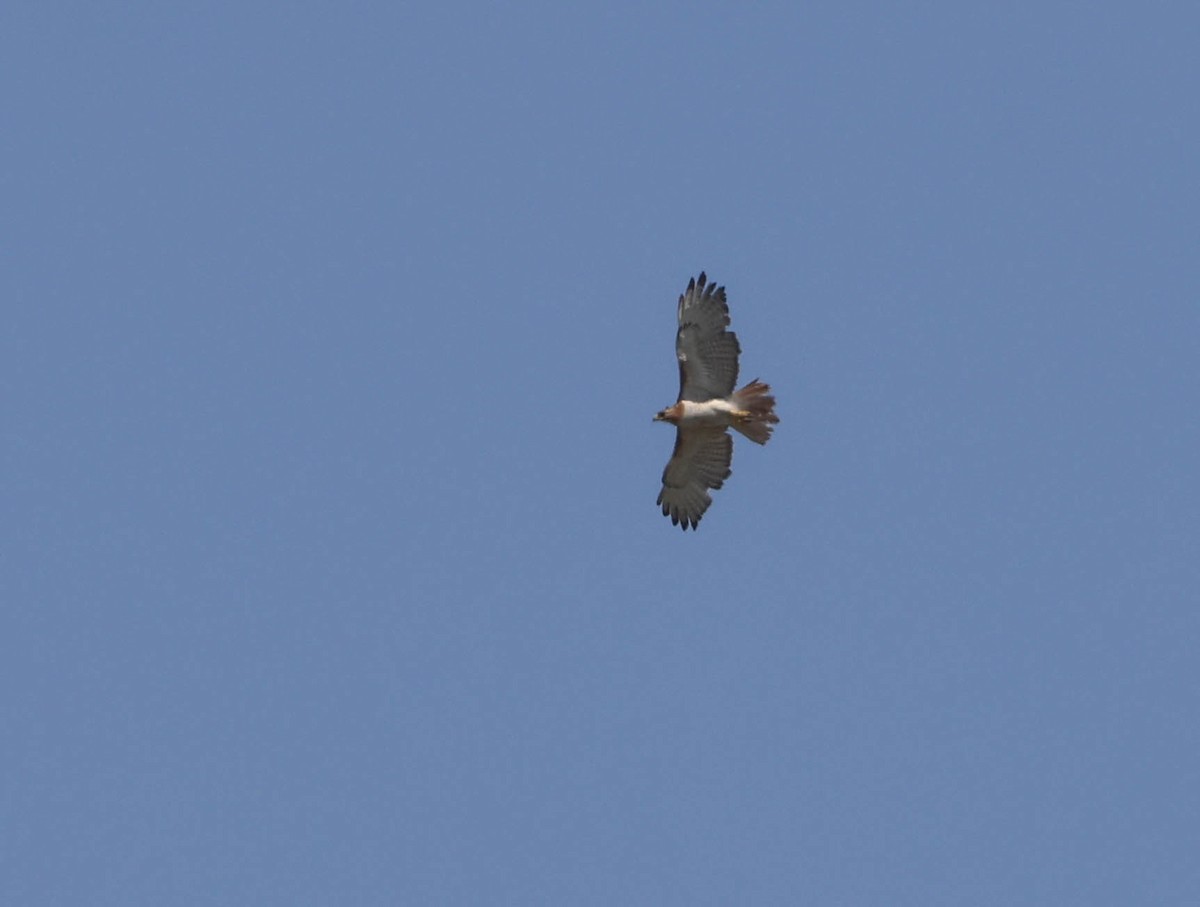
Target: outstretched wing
{"points": [[707, 353], [699, 462]]}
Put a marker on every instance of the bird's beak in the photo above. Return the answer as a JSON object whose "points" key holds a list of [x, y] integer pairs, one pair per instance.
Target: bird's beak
{"points": [[657, 417]]}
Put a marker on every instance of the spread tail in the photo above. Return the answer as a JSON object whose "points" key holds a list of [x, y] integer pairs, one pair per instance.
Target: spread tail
{"points": [[756, 400]]}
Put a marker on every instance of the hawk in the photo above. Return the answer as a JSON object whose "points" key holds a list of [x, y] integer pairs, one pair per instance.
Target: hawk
{"points": [[708, 406]]}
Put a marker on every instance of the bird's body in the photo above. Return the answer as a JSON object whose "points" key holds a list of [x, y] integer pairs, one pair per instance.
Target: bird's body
{"points": [[708, 405], [706, 414]]}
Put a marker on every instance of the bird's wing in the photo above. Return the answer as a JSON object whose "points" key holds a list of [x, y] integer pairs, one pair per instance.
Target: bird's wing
{"points": [[699, 462], [707, 353]]}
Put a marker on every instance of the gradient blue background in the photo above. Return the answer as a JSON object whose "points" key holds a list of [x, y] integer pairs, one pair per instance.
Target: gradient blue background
{"points": [[331, 568]]}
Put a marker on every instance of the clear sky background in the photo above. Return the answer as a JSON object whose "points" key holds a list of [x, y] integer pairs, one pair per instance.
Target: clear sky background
{"points": [[331, 568]]}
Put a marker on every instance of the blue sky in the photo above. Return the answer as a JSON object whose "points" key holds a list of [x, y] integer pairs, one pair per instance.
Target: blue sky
{"points": [[331, 566]]}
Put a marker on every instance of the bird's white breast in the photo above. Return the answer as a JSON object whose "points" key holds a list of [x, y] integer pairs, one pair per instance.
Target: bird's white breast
{"points": [[715, 413]]}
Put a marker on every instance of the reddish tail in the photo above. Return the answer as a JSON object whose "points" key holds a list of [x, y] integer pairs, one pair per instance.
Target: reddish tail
{"points": [[755, 398]]}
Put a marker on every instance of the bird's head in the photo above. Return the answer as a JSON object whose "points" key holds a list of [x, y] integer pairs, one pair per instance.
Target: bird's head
{"points": [[670, 414]]}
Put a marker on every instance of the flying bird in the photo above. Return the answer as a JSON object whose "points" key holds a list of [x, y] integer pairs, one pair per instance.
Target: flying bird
{"points": [[708, 406]]}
